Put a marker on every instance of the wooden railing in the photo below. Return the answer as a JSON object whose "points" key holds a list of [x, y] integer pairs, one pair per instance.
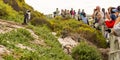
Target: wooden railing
{"points": [[114, 53]]}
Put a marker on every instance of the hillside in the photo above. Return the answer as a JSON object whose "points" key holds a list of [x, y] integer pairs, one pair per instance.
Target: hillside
{"points": [[19, 42], [43, 38]]}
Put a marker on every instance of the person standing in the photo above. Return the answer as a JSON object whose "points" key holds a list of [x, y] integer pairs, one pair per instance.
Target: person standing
{"points": [[98, 18], [62, 13], [56, 13], [103, 20], [103, 13], [27, 16], [67, 14], [83, 13], [79, 15], [85, 19], [72, 13]]}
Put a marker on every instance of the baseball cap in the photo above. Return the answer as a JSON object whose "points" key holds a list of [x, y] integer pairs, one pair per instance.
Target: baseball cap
{"points": [[114, 10]]}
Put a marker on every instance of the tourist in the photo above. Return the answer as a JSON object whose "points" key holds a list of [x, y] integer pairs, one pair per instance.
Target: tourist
{"points": [[56, 13], [85, 19], [27, 16], [79, 15]]}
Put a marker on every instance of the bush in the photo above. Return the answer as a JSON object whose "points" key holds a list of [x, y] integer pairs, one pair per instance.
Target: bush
{"points": [[93, 36], [58, 18], [85, 52], [40, 22]]}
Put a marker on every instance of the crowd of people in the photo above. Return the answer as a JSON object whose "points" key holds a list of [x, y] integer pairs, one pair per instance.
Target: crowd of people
{"points": [[80, 15], [108, 21]]}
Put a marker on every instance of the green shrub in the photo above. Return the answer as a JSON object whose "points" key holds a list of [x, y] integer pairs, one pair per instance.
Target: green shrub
{"points": [[40, 22], [67, 17], [85, 52], [58, 25], [58, 18], [92, 35]]}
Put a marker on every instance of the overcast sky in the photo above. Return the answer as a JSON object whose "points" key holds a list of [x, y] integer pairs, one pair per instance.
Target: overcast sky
{"points": [[48, 6]]}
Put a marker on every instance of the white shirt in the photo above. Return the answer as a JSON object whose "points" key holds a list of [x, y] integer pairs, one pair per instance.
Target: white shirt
{"points": [[29, 15]]}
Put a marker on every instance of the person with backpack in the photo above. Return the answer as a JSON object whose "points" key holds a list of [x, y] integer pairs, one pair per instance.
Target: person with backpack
{"points": [[27, 16], [72, 13], [82, 13], [85, 19]]}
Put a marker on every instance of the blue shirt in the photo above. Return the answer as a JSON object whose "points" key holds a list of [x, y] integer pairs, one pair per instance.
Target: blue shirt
{"points": [[113, 17]]}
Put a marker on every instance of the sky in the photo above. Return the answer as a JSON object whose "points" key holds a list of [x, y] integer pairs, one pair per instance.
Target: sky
{"points": [[49, 6]]}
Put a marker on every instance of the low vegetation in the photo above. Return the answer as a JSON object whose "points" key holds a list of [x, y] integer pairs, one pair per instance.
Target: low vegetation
{"points": [[52, 50], [85, 52]]}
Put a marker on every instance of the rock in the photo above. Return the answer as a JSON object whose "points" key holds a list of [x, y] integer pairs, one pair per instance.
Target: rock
{"points": [[67, 44], [54, 33]]}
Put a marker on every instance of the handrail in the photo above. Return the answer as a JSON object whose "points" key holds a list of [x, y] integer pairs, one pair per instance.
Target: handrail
{"points": [[112, 52]]}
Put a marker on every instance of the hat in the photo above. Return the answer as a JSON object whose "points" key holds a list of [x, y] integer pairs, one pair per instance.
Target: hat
{"points": [[114, 10]]}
